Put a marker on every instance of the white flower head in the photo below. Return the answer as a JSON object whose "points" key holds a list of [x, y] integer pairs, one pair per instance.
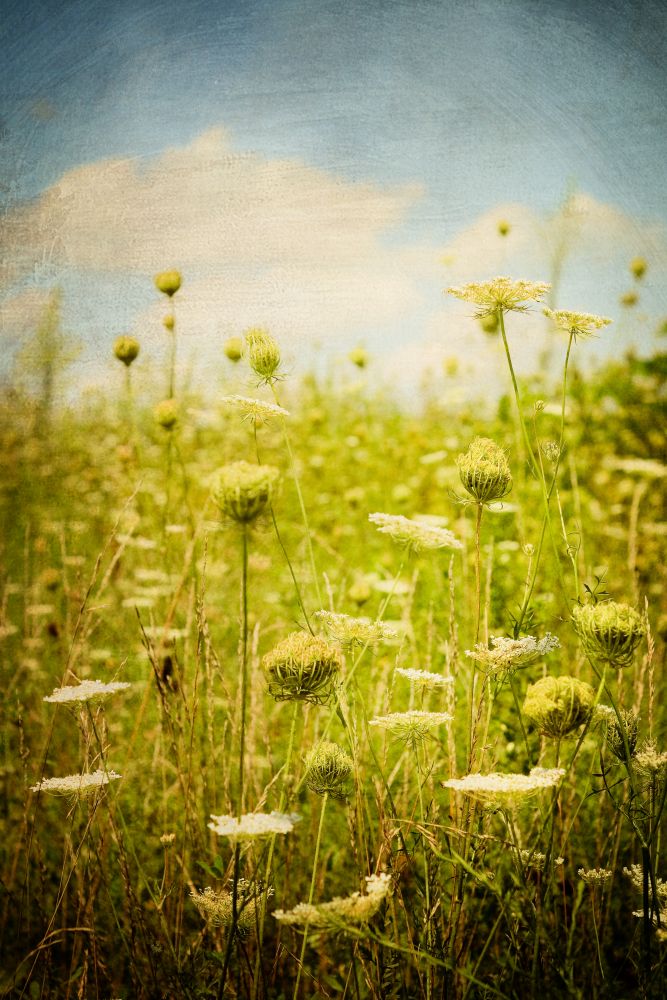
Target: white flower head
{"points": [[501, 293], [506, 789], [413, 726], [595, 876], [76, 784], [509, 654], [577, 324], [334, 915], [350, 631], [253, 825], [218, 909], [255, 410], [91, 691], [414, 534], [425, 678]]}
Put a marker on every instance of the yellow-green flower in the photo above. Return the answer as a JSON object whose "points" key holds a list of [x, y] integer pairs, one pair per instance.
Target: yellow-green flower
{"points": [[501, 294]]}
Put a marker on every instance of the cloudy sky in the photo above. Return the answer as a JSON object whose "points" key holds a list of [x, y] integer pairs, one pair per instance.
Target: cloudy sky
{"points": [[327, 167]]}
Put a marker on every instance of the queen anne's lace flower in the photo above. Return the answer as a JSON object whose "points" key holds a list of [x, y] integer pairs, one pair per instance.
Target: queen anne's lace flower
{"points": [[253, 825], [425, 677], [348, 630], [501, 293], [508, 654], [575, 323], [413, 726], [334, 915], [92, 691], [415, 535], [76, 784], [217, 907], [506, 788], [595, 876], [254, 409]]}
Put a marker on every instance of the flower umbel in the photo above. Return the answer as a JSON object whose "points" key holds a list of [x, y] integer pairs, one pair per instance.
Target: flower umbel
{"points": [[255, 410], [302, 667], [76, 784], [242, 490], [509, 654], [425, 678], [575, 323], [411, 727], [334, 915], [558, 705], [92, 691], [506, 789], [609, 632], [415, 535], [253, 825], [348, 630], [484, 471], [501, 293], [329, 770], [217, 907], [595, 876]]}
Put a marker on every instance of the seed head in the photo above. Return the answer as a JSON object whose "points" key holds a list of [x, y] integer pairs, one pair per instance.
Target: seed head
{"points": [[609, 632], [329, 770], [168, 282], [233, 348], [302, 667], [558, 705], [126, 349], [242, 491], [484, 471], [218, 908], [263, 354], [166, 414]]}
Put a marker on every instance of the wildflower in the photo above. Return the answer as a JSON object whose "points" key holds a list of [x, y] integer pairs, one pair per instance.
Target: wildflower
{"points": [[415, 535], [629, 299], [576, 324], [91, 691], [126, 349], [76, 784], [649, 761], [509, 654], [638, 267], [484, 471], [253, 825], [425, 678], [166, 414], [329, 770], [506, 789], [489, 323], [621, 736], [501, 294], [359, 357], [558, 705], [348, 630], [537, 860], [167, 839], [302, 667], [636, 875], [254, 409], [217, 907], [411, 727], [354, 909], [263, 354], [595, 876], [242, 491], [609, 632], [233, 348], [551, 451], [503, 227], [169, 322], [168, 282]]}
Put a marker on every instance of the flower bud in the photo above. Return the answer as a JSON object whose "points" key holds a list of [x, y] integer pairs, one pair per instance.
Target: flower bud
{"points": [[169, 322], [638, 267], [489, 323], [233, 348], [242, 490], [503, 227], [126, 349], [558, 705], [359, 357], [168, 282], [329, 770], [302, 667], [166, 414], [609, 632], [484, 471], [263, 354]]}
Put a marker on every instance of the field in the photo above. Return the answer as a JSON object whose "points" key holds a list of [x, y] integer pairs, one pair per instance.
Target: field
{"points": [[503, 622]]}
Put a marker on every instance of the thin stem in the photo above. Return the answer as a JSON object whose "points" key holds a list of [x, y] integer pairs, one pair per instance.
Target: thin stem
{"points": [[427, 892], [310, 894], [172, 352]]}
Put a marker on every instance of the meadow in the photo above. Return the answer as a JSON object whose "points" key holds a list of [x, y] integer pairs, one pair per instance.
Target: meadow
{"points": [[307, 695]]}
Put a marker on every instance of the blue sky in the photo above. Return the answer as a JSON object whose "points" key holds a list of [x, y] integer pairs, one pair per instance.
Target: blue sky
{"points": [[470, 106]]}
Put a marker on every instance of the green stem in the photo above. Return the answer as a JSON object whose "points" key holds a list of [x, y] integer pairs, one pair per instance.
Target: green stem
{"points": [[172, 353], [310, 895], [427, 892]]}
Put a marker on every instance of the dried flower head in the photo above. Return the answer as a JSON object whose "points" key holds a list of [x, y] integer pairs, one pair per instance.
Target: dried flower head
{"points": [[76, 784], [253, 825], [509, 654], [425, 678], [501, 294], [263, 354], [558, 705], [255, 410], [415, 535], [233, 348], [506, 789], [166, 414], [334, 915], [609, 632], [242, 490], [329, 770], [86, 691], [217, 906], [595, 876], [621, 736], [126, 349], [168, 282], [302, 667], [350, 631], [484, 471], [576, 324], [411, 727]]}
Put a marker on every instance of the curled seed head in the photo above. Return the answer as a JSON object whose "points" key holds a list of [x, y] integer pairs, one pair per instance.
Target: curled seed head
{"points": [[609, 632], [242, 490], [484, 471], [302, 667], [329, 770], [263, 354], [558, 705]]}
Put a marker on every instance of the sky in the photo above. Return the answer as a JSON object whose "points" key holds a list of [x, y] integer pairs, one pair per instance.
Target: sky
{"points": [[326, 168]]}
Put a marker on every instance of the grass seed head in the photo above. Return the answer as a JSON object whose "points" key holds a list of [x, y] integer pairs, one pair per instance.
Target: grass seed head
{"points": [[302, 667], [558, 705], [609, 632], [126, 349], [329, 770], [484, 471], [242, 490]]}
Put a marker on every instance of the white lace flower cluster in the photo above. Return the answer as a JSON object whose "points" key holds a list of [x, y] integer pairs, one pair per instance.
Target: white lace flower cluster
{"points": [[350, 631], [92, 691], [595, 876], [254, 409], [509, 654], [253, 825], [334, 915], [413, 726], [413, 534], [506, 789], [501, 293], [425, 678], [76, 784]]}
